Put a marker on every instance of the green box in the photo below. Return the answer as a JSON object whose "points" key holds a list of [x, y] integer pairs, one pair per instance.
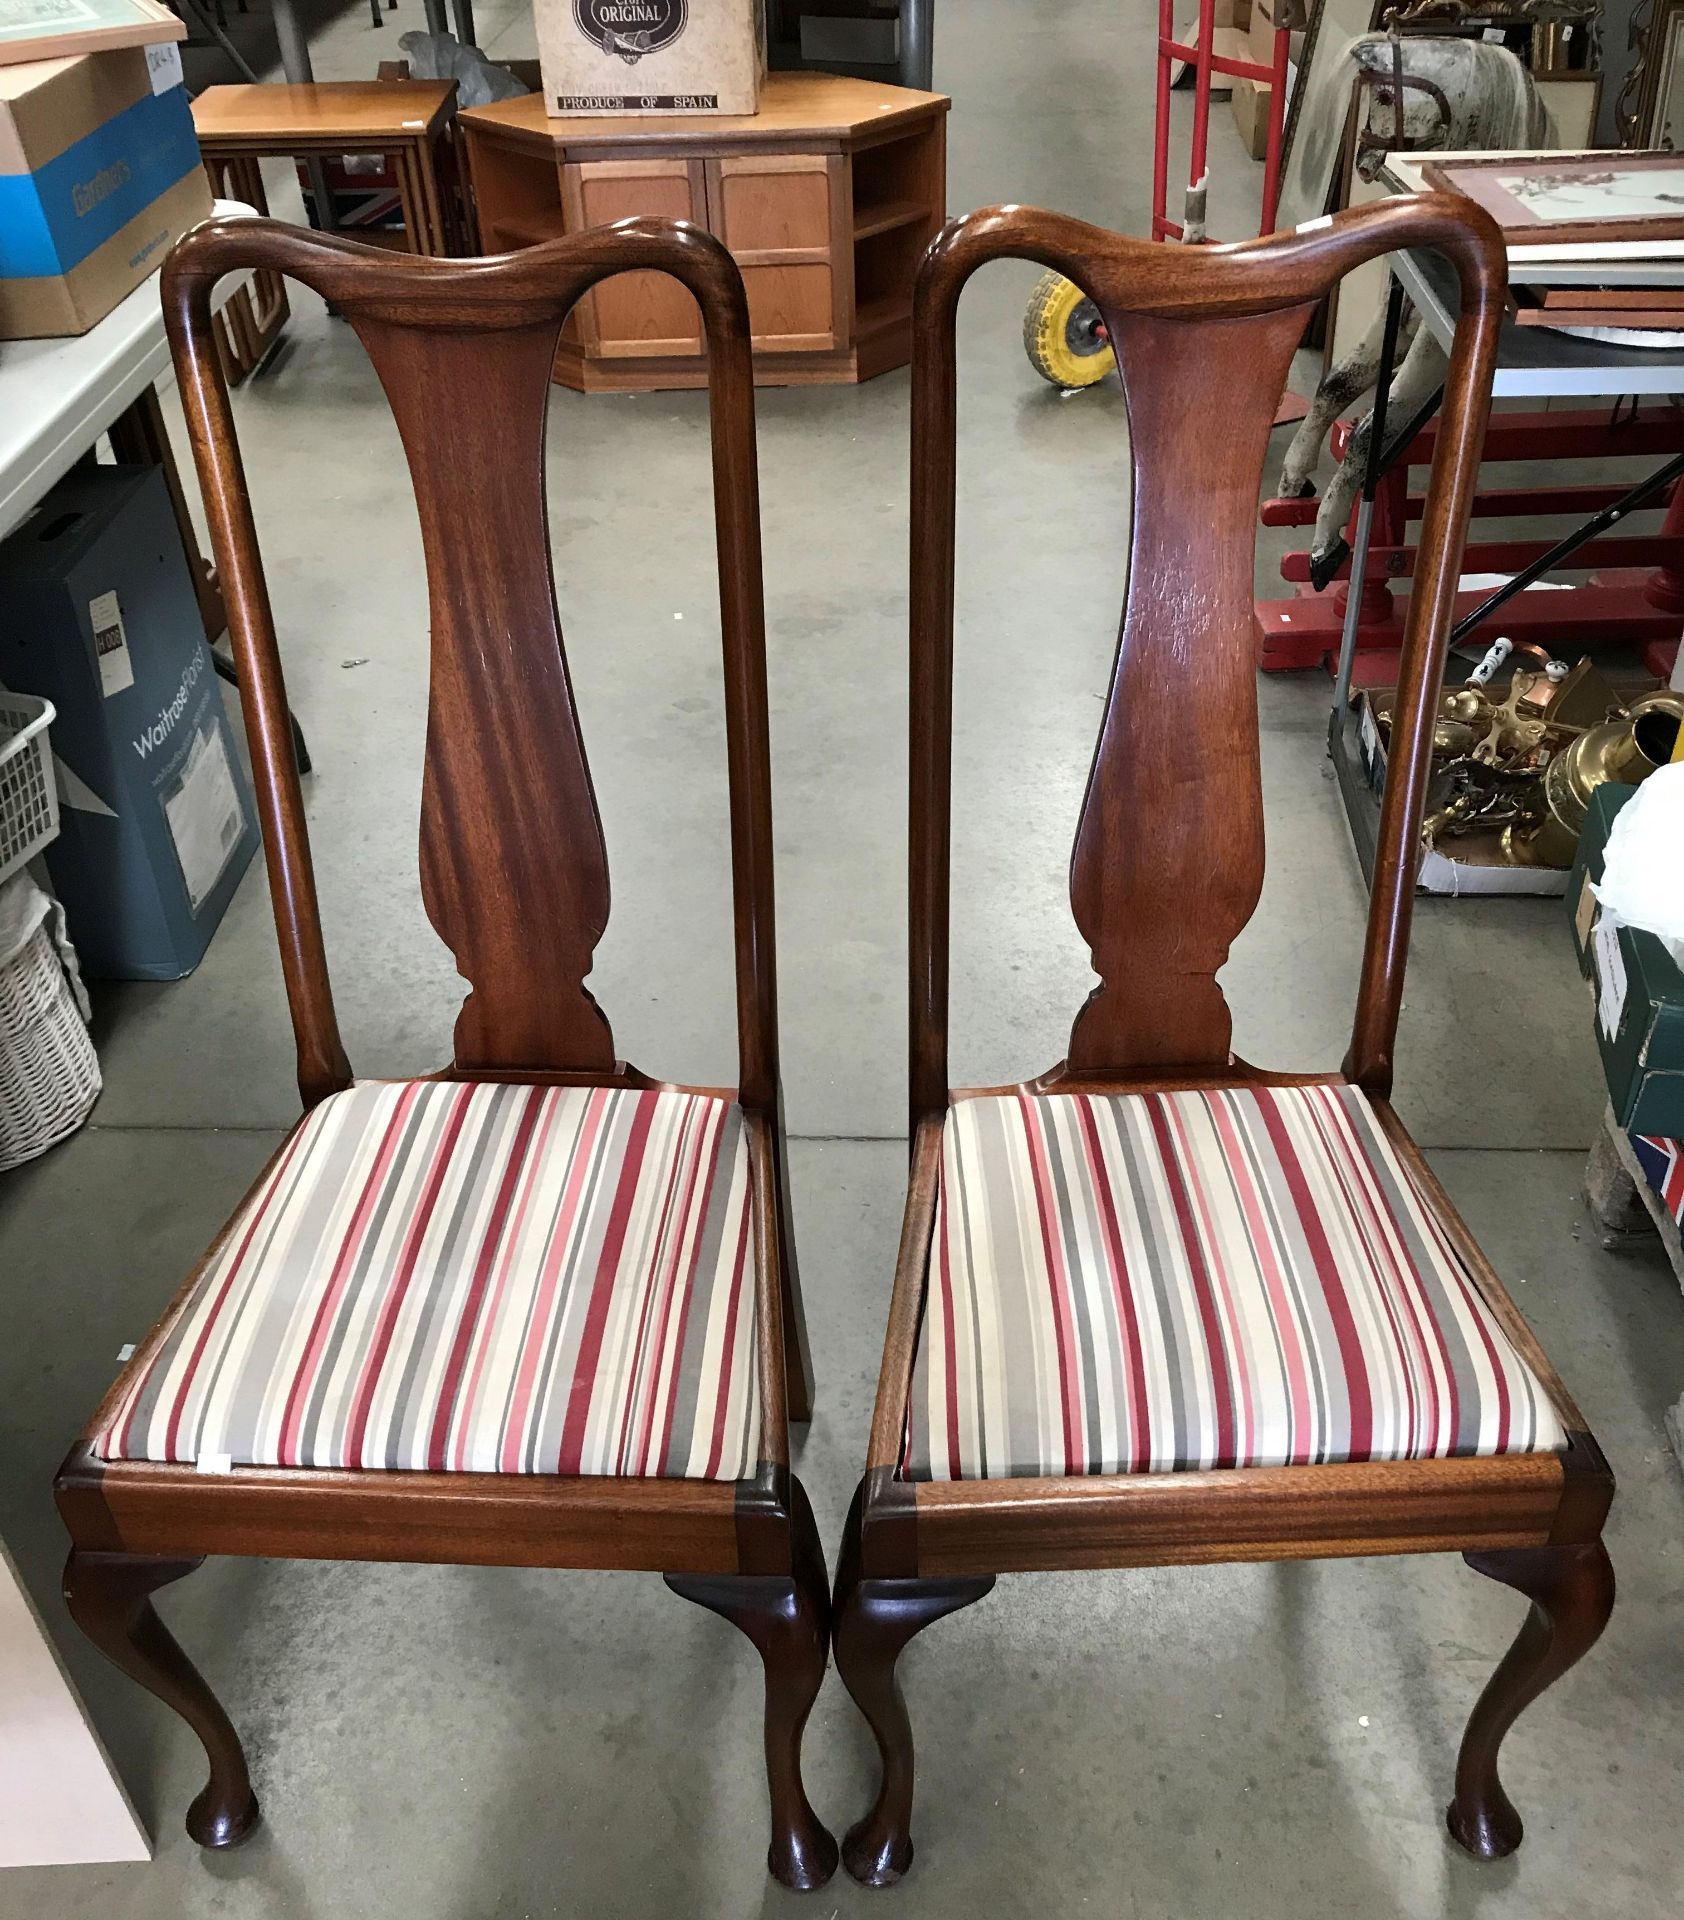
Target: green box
{"points": [[1638, 990], [1605, 803]]}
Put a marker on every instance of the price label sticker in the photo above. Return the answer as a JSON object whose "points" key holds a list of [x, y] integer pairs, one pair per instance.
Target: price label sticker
{"points": [[163, 66]]}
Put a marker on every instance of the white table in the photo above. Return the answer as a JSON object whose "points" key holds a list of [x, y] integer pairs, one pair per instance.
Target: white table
{"points": [[58, 396], [1539, 362]]}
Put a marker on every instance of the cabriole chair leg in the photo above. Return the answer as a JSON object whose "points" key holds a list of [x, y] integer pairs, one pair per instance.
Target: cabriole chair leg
{"points": [[1572, 1595], [874, 1620], [789, 1622], [110, 1598]]}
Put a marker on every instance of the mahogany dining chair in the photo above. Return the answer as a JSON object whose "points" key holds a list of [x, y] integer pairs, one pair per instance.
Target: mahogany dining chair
{"points": [[534, 1309], [1158, 1306]]}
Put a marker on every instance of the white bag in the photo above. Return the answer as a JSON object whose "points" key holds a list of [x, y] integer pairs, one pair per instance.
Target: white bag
{"points": [[1643, 867]]}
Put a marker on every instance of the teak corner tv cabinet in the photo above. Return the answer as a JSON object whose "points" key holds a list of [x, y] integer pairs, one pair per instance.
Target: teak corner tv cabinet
{"points": [[827, 199]]}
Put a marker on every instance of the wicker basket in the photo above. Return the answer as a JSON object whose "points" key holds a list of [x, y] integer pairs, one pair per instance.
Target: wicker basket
{"points": [[49, 1072]]}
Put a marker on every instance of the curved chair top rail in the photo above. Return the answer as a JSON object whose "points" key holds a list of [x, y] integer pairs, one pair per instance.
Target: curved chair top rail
{"points": [[1168, 860], [514, 871]]}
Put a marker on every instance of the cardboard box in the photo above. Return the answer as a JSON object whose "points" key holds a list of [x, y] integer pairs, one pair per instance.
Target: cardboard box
{"points": [[1639, 994], [651, 56], [1478, 865], [1250, 103], [1260, 40], [1226, 43], [99, 176], [97, 612], [1605, 804]]}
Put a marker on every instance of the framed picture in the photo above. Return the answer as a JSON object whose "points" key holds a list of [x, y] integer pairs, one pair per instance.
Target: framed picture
{"points": [[1537, 198], [52, 29], [1658, 117], [1313, 138]]}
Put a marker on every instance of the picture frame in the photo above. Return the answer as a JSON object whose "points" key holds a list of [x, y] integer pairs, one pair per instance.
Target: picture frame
{"points": [[1313, 140], [60, 29], [1545, 198], [1652, 102]]}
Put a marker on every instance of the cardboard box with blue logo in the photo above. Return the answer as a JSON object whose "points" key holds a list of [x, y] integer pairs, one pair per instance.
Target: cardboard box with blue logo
{"points": [[99, 176]]}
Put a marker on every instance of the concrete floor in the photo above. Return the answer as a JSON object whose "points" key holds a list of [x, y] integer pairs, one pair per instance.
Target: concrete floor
{"points": [[458, 1744]]}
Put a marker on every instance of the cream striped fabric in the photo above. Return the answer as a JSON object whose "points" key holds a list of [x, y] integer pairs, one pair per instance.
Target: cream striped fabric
{"points": [[459, 1276], [1146, 1282]]}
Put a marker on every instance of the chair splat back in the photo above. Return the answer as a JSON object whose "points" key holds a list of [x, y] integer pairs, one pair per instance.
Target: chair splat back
{"points": [[1168, 861], [514, 872]]}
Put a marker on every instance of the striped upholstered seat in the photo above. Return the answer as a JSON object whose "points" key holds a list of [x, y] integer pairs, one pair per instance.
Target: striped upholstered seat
{"points": [[474, 1278], [1142, 1283]]}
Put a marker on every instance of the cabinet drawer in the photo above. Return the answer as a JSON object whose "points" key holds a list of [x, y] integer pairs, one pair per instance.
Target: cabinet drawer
{"points": [[781, 215], [636, 314]]}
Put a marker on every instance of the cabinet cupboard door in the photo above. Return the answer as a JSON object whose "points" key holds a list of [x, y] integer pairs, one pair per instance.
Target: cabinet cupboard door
{"points": [[778, 215], [636, 314]]}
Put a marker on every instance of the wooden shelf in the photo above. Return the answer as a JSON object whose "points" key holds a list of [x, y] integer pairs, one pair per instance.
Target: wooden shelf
{"points": [[533, 232], [874, 316], [885, 217]]}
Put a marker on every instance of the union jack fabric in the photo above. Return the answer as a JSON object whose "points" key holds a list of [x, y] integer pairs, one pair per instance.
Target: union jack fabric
{"points": [[472, 1277], [1246, 1276], [1662, 1162]]}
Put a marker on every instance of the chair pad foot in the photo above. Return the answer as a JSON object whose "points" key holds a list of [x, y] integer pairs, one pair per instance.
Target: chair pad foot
{"points": [[219, 1830], [1491, 1837], [874, 1862], [805, 1864]]}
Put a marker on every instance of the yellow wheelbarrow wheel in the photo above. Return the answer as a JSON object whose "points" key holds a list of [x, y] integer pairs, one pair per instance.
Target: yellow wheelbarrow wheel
{"points": [[1064, 335]]}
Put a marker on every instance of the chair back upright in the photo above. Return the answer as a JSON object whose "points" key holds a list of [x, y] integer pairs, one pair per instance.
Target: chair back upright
{"points": [[1168, 861], [514, 872]]}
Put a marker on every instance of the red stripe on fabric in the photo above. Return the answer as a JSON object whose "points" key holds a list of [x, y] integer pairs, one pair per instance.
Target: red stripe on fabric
{"points": [[722, 1402], [485, 1334], [1474, 1301], [468, 1318], [602, 1286], [658, 1280], [1300, 1400], [1222, 1294], [1353, 1173], [688, 1293], [1222, 1390], [172, 1433], [555, 1255], [302, 1381], [1138, 1411], [363, 1395], [1058, 1282], [1357, 1389]]}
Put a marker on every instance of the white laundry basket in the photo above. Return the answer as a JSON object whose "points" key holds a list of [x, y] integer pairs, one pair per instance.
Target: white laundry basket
{"points": [[49, 1072], [28, 792]]}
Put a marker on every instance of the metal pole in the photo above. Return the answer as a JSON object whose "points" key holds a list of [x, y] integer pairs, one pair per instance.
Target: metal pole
{"points": [[917, 43], [293, 43], [1365, 512], [205, 23]]}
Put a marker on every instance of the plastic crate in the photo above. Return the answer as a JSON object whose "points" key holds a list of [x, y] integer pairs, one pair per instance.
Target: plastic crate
{"points": [[28, 792]]}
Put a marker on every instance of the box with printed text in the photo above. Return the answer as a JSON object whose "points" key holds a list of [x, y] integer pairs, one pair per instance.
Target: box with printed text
{"points": [[99, 176], [651, 56], [98, 614]]}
